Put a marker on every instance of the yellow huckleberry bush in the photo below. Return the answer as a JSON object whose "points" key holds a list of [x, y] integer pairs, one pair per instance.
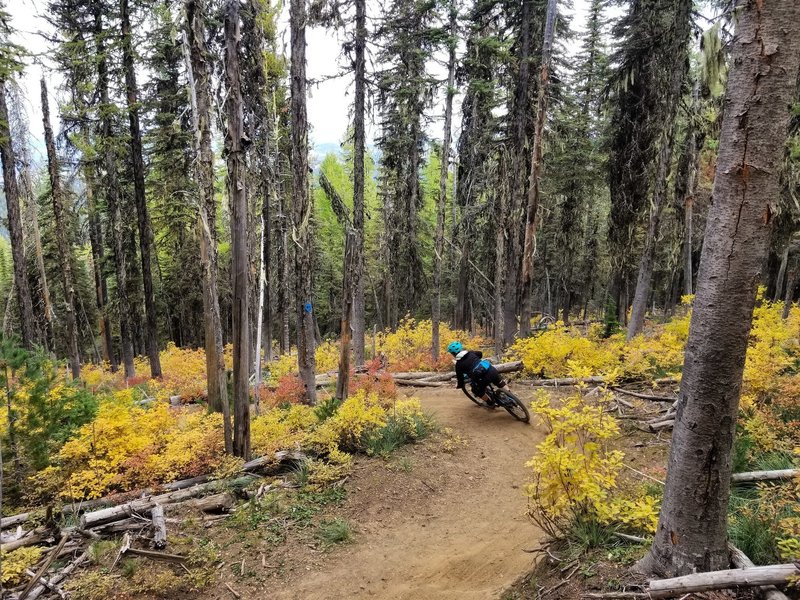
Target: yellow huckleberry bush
{"points": [[13, 564], [575, 471]]}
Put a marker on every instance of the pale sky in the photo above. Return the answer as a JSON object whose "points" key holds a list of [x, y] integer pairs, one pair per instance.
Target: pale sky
{"points": [[328, 104]]}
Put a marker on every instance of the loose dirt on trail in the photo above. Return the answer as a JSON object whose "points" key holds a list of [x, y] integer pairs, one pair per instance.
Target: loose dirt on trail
{"points": [[448, 526]]}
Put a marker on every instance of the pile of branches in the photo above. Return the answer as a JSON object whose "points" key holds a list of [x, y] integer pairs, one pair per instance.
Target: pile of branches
{"points": [[142, 521]]}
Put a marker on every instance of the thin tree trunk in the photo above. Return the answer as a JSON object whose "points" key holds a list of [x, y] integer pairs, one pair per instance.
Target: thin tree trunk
{"points": [[262, 273], [31, 211], [645, 277], [62, 231], [98, 259], [235, 147], [791, 283], [285, 295], [347, 308], [27, 321], [499, 263], [358, 317], [691, 534], [112, 198], [199, 74], [444, 169], [306, 342], [781, 278], [536, 169], [143, 218], [688, 201]]}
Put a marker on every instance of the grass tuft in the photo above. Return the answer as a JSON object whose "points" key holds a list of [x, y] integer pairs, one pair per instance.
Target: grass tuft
{"points": [[336, 531]]}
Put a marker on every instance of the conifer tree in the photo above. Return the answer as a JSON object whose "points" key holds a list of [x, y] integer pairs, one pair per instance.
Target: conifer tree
{"points": [[9, 65]]}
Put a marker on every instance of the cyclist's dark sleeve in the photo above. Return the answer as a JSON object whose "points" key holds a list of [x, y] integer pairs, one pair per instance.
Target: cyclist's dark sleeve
{"points": [[459, 375], [479, 353]]}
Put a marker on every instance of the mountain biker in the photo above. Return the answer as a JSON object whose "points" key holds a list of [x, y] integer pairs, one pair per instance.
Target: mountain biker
{"points": [[470, 363]]}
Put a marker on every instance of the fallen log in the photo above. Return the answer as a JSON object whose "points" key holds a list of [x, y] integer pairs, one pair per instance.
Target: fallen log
{"points": [[661, 425], [419, 383], [740, 560], [565, 381], [185, 483], [58, 578], [43, 569], [716, 580], [273, 459], [615, 595], [143, 506], [753, 476], [644, 396], [159, 526], [152, 554], [216, 503], [30, 538], [53, 588]]}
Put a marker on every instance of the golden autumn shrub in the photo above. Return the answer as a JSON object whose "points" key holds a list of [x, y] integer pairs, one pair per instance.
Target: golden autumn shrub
{"points": [[281, 429], [408, 348], [575, 471], [561, 349], [14, 564], [129, 446]]}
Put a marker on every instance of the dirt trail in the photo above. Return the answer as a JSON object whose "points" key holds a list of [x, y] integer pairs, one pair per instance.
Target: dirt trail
{"points": [[452, 527]]}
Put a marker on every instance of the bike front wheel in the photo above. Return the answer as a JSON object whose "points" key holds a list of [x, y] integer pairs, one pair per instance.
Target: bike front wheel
{"points": [[515, 407]]}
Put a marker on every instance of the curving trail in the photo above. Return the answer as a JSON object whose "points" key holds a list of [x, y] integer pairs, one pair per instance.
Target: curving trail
{"points": [[451, 527]]}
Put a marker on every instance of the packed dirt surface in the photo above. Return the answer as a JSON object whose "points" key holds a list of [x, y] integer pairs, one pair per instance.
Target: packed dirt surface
{"points": [[452, 527]]}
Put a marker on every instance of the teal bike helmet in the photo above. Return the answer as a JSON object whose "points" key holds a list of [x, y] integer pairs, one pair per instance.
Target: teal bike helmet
{"points": [[454, 348]]}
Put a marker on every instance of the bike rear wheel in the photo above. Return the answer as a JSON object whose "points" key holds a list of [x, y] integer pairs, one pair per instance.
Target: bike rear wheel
{"points": [[515, 407]]}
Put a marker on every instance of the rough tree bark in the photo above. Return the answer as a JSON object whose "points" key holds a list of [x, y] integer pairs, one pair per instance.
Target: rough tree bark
{"points": [[301, 233], [360, 45], [235, 143], [113, 198], [62, 240], [535, 175], [198, 69], [27, 322], [142, 215], [441, 200], [519, 144], [691, 533]]}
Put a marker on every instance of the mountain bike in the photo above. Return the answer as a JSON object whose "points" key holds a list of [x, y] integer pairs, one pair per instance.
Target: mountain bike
{"points": [[503, 398]]}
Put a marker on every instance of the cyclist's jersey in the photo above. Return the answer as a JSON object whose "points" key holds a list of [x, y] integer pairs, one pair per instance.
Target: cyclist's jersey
{"points": [[467, 363]]}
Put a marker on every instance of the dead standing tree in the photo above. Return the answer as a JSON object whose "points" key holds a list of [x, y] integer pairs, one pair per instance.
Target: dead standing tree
{"points": [[200, 96], [235, 144], [62, 229]]}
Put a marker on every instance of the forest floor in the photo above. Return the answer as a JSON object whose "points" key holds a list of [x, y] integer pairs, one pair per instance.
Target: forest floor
{"points": [[442, 519]]}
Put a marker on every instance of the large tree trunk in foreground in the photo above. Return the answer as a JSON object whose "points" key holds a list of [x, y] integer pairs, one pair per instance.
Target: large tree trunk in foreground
{"points": [[441, 200], [113, 199], [24, 301], [62, 239], [306, 342], [691, 533], [358, 319], [200, 91], [142, 215], [235, 147]]}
